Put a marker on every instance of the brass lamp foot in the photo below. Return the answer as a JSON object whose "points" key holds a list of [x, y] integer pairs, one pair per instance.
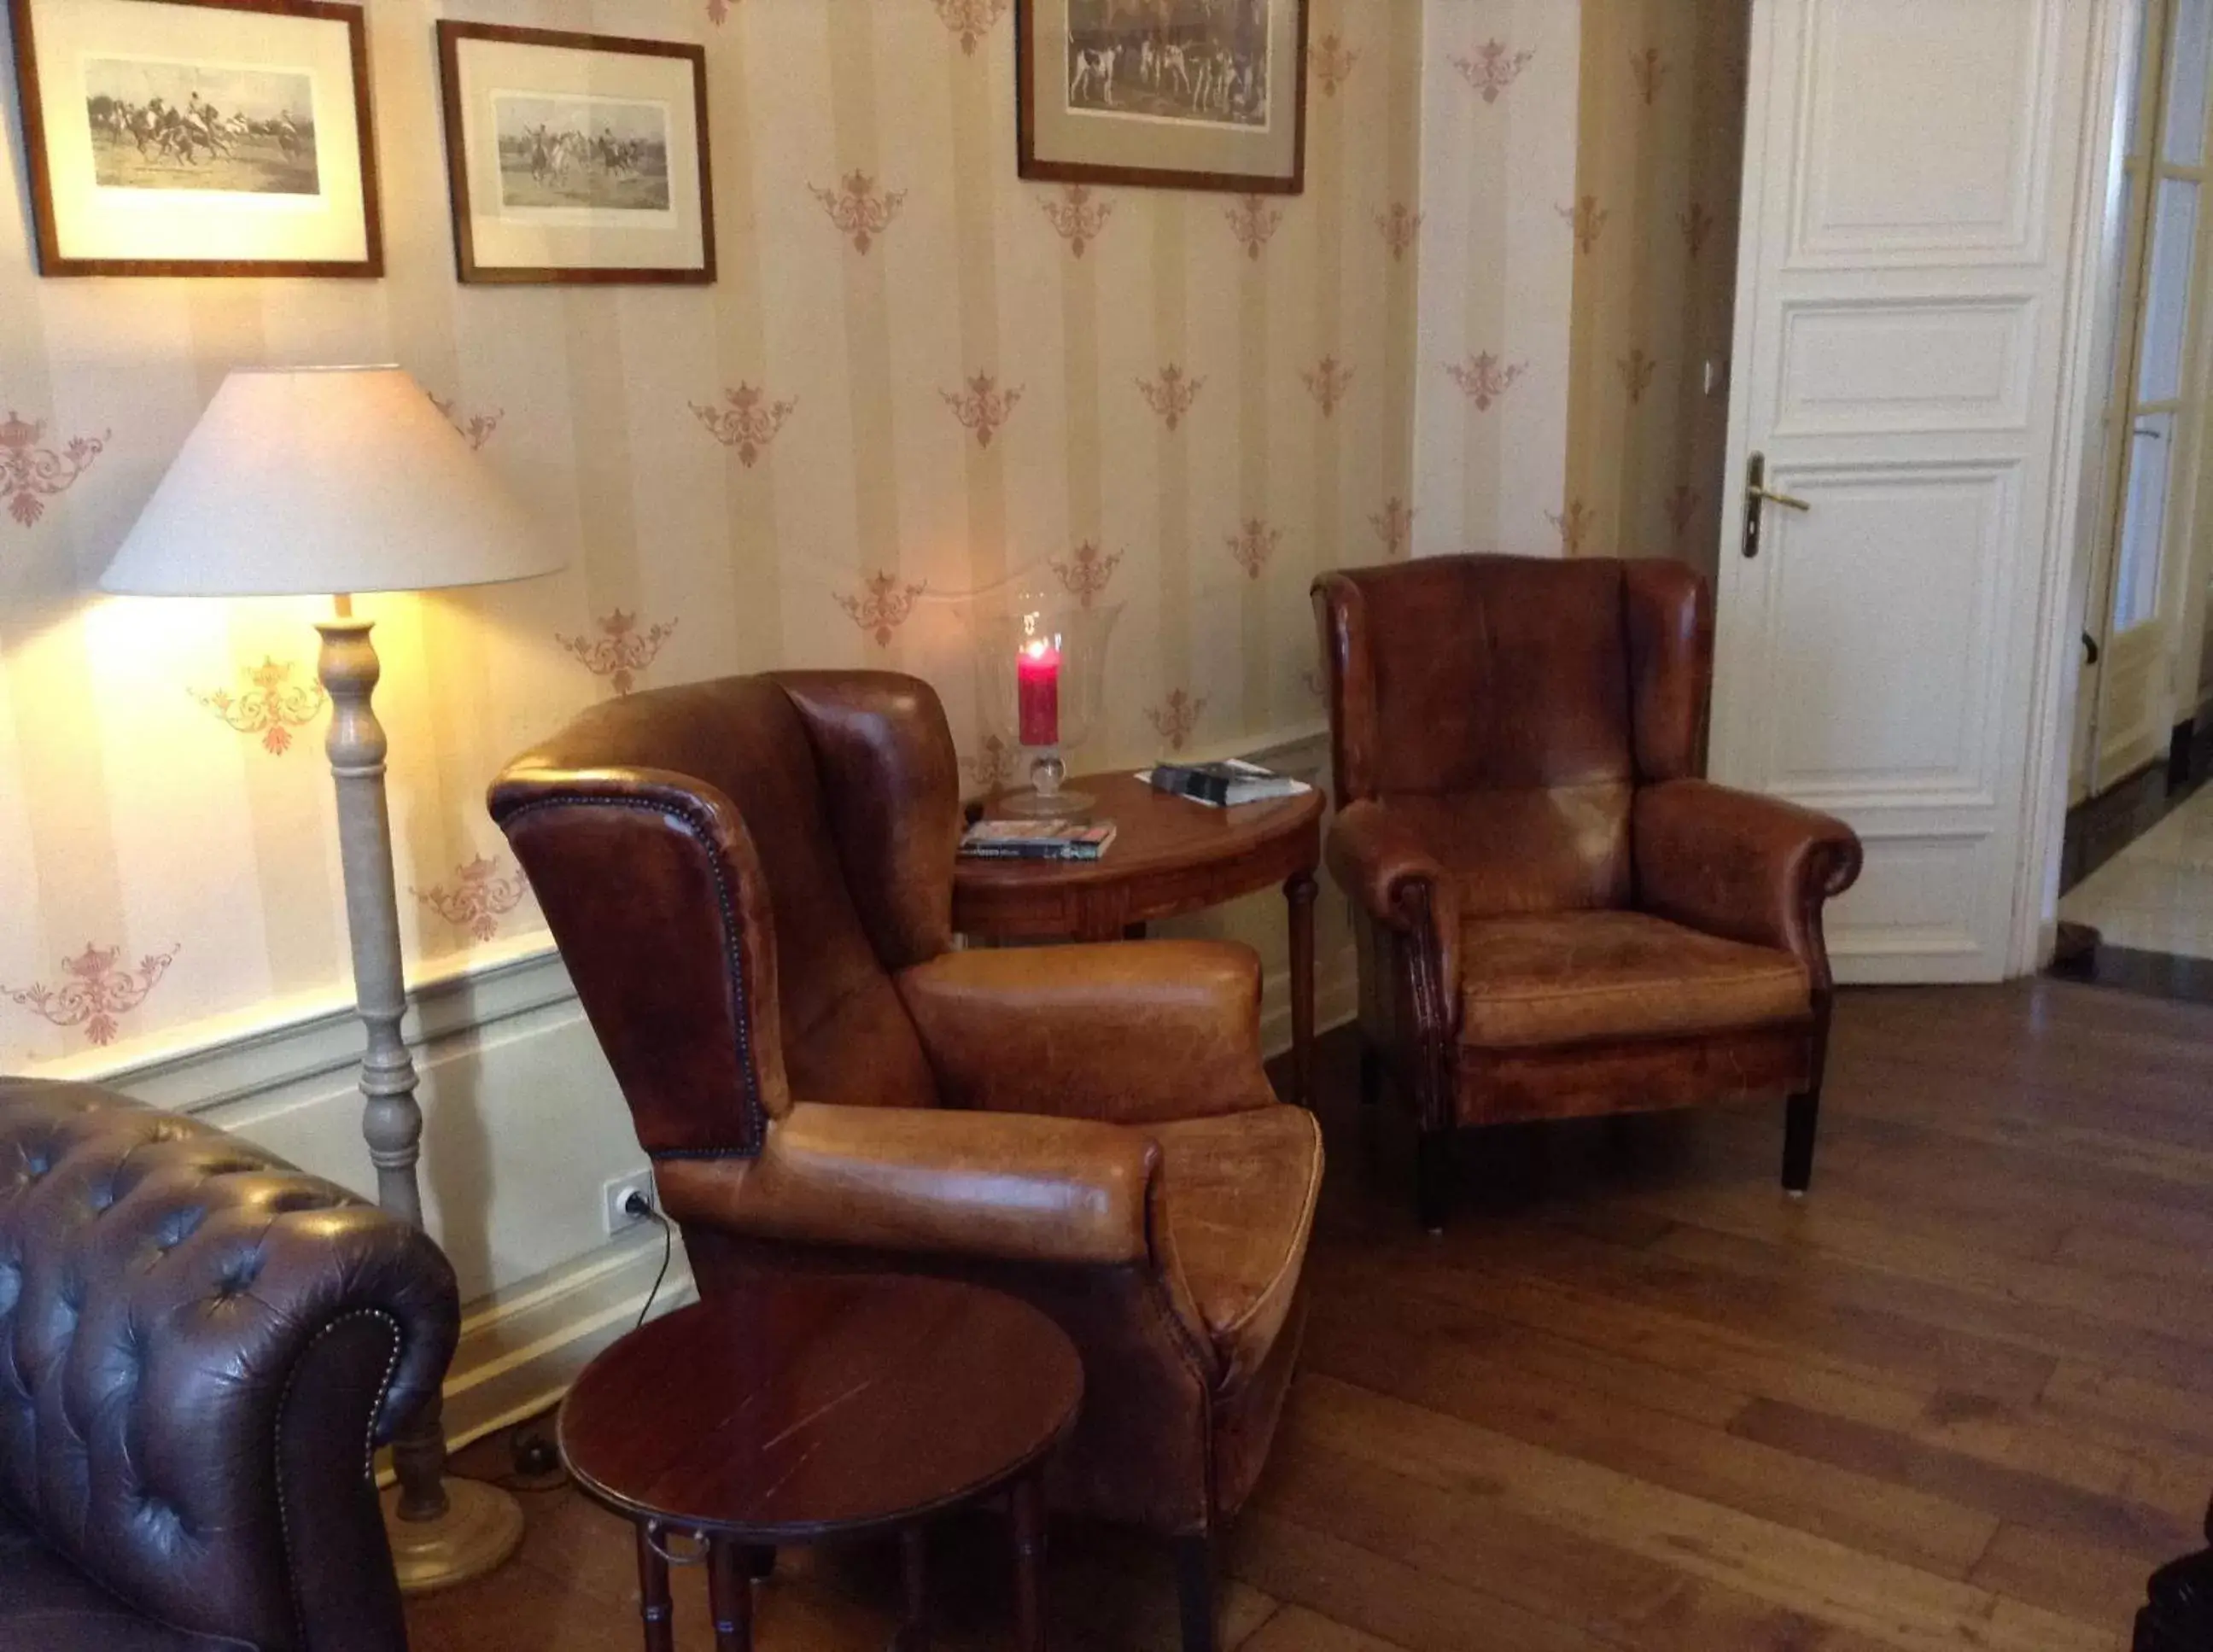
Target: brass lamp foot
{"points": [[482, 1526]]}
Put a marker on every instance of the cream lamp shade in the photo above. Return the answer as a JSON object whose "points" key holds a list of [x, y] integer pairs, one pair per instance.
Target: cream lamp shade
{"points": [[326, 481]]}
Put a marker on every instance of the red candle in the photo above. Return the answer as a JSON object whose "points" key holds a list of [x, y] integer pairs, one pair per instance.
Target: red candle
{"points": [[1037, 674]]}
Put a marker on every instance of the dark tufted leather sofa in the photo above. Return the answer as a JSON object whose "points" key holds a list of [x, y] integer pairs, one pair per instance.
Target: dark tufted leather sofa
{"points": [[197, 1345]]}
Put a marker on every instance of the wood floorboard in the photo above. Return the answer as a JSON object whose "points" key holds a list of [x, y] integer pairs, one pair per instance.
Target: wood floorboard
{"points": [[1635, 1401]]}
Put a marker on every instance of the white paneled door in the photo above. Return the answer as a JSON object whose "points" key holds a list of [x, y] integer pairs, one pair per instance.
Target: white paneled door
{"points": [[1906, 337]]}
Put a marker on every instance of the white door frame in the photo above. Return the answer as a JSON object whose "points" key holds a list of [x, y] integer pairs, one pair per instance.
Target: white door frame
{"points": [[2074, 516]]}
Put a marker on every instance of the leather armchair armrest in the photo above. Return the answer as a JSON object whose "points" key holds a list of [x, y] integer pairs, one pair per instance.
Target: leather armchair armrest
{"points": [[1380, 860], [1738, 864], [1127, 1031], [921, 1179]]}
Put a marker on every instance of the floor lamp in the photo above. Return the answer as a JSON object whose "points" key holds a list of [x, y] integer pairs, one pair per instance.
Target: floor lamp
{"points": [[329, 482]]}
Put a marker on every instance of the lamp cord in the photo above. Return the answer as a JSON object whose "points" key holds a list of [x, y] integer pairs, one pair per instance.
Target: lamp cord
{"points": [[668, 1251]]}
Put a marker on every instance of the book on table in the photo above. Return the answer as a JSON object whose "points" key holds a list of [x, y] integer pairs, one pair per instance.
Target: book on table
{"points": [[1222, 785], [1036, 840]]}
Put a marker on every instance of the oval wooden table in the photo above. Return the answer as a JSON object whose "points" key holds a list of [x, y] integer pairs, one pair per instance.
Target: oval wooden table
{"points": [[805, 1406], [1170, 856]]}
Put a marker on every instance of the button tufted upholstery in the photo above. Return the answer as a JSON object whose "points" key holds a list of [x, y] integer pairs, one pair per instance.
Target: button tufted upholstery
{"points": [[196, 1342]]}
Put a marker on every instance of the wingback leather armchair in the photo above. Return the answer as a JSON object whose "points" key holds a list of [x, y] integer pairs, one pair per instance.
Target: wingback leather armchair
{"points": [[1556, 916], [199, 1347], [751, 883]]}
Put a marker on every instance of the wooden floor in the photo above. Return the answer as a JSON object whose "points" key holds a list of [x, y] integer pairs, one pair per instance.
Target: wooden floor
{"points": [[1961, 1397]]}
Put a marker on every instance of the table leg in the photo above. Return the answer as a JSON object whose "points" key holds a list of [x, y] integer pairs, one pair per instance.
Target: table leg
{"points": [[1300, 893], [914, 1579], [653, 1607], [1026, 1501], [731, 1596]]}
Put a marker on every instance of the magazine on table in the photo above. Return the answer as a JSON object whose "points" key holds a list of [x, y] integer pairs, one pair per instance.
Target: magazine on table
{"points": [[1036, 840]]}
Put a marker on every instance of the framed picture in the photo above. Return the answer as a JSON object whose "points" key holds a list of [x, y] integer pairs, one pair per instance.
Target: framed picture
{"points": [[576, 157], [1175, 94], [216, 137]]}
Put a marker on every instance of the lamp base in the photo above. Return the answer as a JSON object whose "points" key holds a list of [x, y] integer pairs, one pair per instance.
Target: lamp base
{"points": [[1032, 804], [482, 1526]]}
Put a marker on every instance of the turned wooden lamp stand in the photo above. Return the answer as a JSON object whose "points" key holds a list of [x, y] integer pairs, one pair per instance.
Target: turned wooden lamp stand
{"points": [[317, 481]]}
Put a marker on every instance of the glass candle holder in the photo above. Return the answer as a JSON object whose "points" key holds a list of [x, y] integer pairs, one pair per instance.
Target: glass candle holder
{"points": [[1040, 677]]}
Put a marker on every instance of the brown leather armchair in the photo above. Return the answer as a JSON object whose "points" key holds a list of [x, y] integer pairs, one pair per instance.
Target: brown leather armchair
{"points": [[1556, 916], [751, 884]]}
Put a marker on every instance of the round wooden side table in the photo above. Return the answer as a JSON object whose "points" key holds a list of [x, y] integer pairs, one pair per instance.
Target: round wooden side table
{"points": [[806, 1406], [1170, 856]]}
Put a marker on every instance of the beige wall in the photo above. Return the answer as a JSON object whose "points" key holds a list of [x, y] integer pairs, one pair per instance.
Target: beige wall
{"points": [[183, 873], [1659, 154], [1491, 371]]}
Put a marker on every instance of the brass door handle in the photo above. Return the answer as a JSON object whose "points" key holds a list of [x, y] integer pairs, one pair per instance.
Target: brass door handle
{"points": [[1758, 494]]}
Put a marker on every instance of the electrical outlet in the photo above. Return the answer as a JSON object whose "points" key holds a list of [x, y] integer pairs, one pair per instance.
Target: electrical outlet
{"points": [[616, 1194]]}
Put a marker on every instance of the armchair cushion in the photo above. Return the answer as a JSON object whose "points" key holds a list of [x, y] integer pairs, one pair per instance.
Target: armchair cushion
{"points": [[1571, 978], [1024, 1189], [1241, 1191], [1128, 1031]]}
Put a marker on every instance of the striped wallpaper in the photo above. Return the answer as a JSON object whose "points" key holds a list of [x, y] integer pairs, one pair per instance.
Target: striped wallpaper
{"points": [[917, 376]]}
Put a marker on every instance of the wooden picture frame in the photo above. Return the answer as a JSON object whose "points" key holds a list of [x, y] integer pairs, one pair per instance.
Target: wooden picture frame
{"points": [[536, 199], [290, 190], [1143, 107]]}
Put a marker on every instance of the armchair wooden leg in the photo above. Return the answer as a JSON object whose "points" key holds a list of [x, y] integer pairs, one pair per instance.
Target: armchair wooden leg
{"points": [[1194, 1561], [1433, 1174], [1799, 1122]]}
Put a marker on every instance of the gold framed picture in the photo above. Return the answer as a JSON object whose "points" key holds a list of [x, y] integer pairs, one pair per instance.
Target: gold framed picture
{"points": [[1173, 94], [576, 157], [184, 137]]}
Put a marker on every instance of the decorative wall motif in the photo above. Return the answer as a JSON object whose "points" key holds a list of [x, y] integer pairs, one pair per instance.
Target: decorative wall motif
{"points": [[1696, 224], [1573, 525], [1087, 571], [1586, 218], [882, 605], [747, 422], [1650, 70], [1326, 381], [1330, 61], [1494, 67], [93, 993], [1483, 378], [1637, 370], [621, 651], [1394, 526], [1251, 544], [477, 429], [479, 895], [1078, 213], [982, 406], [995, 763], [859, 209], [1680, 506], [1171, 394], [31, 475], [1398, 224], [270, 704], [971, 20], [1253, 221], [1175, 717]]}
